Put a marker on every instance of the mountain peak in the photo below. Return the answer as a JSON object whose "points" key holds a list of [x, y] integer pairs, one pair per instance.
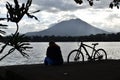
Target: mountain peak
{"points": [[72, 27]]}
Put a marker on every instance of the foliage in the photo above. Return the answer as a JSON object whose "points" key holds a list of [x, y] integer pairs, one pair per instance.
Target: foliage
{"points": [[18, 44], [114, 3], [16, 13], [2, 26]]}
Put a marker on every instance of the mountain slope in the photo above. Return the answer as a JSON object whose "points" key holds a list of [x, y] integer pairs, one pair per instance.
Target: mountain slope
{"points": [[73, 27]]}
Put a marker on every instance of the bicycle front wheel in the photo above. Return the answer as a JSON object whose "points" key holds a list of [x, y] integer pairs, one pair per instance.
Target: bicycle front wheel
{"points": [[75, 56], [100, 54]]}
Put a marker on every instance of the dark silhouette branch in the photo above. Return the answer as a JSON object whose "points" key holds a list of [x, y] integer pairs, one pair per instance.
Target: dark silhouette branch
{"points": [[10, 51], [114, 3]]}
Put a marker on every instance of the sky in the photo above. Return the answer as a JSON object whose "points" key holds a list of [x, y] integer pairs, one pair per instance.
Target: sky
{"points": [[55, 11]]}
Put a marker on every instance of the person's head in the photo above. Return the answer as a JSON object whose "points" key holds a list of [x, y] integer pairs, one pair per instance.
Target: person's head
{"points": [[51, 43]]}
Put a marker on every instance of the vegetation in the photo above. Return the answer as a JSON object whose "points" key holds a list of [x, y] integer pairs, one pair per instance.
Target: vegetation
{"points": [[98, 37], [114, 3], [2, 26], [15, 14]]}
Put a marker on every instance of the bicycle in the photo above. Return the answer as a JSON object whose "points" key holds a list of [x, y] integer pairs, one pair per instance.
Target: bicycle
{"points": [[76, 55]]}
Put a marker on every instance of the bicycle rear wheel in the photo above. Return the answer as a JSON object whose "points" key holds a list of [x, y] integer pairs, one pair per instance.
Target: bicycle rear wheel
{"points": [[100, 54], [75, 56]]}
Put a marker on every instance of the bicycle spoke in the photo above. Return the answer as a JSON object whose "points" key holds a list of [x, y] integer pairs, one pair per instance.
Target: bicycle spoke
{"points": [[100, 54], [75, 56]]}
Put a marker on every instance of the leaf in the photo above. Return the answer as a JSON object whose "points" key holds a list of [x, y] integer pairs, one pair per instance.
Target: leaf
{"points": [[111, 5], [3, 18], [9, 6], [22, 44], [117, 7], [23, 7], [32, 16], [2, 32], [24, 54], [78, 1], [8, 17], [16, 4], [35, 11], [26, 47], [3, 25], [29, 2], [91, 3], [9, 52]]}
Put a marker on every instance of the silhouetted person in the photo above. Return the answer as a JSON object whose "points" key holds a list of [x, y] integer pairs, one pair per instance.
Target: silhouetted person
{"points": [[53, 55]]}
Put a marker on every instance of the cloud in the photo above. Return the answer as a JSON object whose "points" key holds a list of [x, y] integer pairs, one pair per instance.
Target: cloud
{"points": [[51, 5], [100, 4], [64, 5], [68, 5], [113, 17], [54, 11]]}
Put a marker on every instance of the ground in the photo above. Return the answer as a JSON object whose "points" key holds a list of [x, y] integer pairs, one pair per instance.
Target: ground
{"points": [[97, 70]]}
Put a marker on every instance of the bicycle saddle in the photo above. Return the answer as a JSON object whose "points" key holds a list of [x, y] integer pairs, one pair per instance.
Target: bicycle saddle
{"points": [[94, 44]]}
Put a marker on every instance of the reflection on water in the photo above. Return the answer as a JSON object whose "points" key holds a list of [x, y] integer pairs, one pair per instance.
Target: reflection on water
{"points": [[37, 54]]}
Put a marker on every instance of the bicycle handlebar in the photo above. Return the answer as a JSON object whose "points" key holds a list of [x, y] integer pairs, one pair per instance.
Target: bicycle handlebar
{"points": [[95, 44]]}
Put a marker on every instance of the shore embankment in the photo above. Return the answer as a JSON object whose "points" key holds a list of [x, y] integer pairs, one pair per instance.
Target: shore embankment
{"points": [[97, 70]]}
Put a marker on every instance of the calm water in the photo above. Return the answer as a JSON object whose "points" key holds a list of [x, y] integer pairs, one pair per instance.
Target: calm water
{"points": [[37, 54]]}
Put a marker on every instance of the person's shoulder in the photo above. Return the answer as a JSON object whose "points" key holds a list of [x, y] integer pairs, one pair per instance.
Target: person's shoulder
{"points": [[57, 45], [49, 47]]}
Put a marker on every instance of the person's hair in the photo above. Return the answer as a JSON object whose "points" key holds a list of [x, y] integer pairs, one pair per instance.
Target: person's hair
{"points": [[51, 42]]}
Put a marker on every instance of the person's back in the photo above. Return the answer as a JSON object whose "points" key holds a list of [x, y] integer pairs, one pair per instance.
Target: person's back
{"points": [[54, 56]]}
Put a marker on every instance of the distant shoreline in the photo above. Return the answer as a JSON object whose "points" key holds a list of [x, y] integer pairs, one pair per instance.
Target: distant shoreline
{"points": [[113, 37]]}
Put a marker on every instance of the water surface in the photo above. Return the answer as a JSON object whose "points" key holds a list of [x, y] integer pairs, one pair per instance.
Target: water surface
{"points": [[37, 54]]}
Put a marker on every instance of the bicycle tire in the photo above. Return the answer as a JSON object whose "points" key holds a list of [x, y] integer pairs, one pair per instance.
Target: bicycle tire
{"points": [[71, 58], [100, 56]]}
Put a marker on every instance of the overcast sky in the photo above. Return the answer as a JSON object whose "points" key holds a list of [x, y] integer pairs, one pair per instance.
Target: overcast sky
{"points": [[54, 11]]}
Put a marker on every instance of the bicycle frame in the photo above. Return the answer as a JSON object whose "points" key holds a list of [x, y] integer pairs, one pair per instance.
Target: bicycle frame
{"points": [[77, 54], [87, 53]]}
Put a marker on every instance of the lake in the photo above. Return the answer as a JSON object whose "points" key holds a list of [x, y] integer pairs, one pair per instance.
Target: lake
{"points": [[37, 54]]}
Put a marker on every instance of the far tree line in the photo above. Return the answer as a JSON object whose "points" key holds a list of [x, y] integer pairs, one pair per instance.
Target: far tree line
{"points": [[98, 37]]}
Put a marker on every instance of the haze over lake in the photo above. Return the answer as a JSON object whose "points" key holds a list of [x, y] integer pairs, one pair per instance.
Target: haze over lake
{"points": [[37, 54]]}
